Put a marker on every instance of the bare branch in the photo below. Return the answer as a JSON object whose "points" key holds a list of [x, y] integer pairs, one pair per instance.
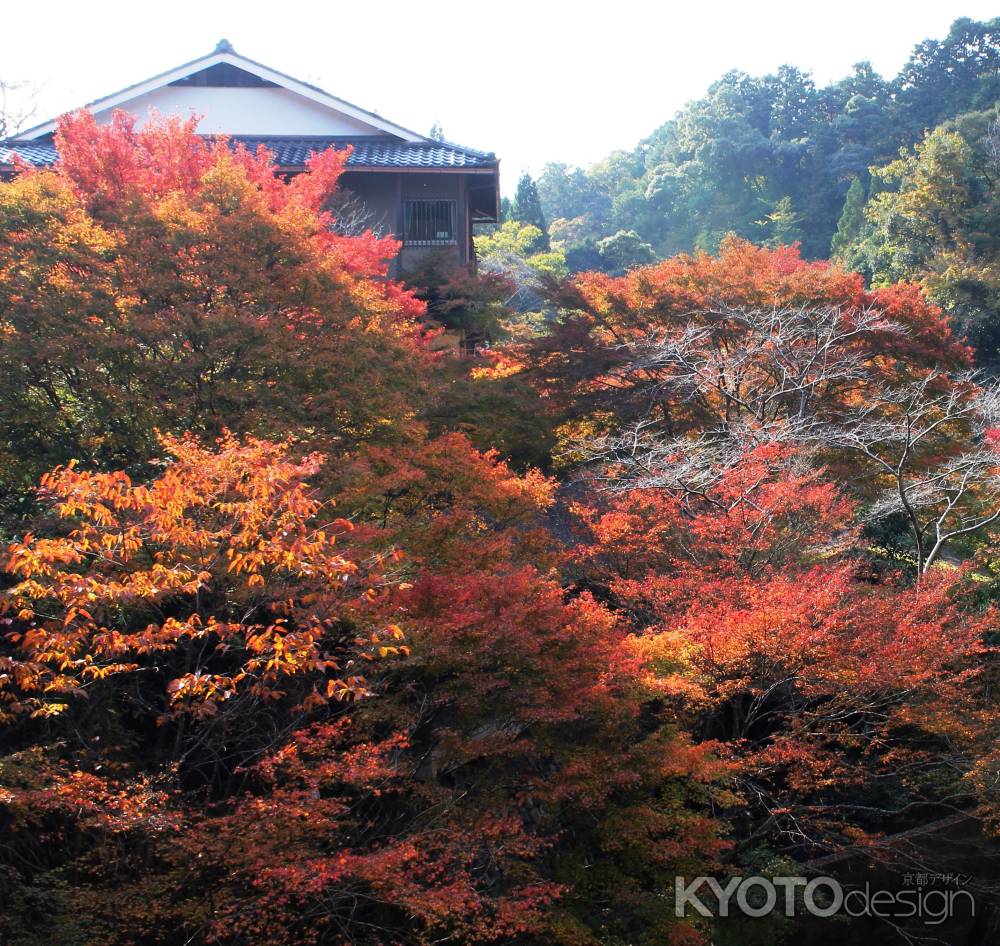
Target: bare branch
{"points": [[760, 365], [13, 117], [352, 216], [784, 375], [930, 440]]}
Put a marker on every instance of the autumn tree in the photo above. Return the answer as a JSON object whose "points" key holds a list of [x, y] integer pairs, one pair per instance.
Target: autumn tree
{"points": [[359, 722], [723, 515], [830, 689], [833, 379], [646, 350], [216, 576], [159, 637], [153, 279]]}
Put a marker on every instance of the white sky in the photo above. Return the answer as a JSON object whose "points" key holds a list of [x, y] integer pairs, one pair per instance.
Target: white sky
{"points": [[534, 81]]}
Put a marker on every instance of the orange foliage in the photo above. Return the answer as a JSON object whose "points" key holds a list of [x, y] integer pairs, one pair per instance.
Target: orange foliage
{"points": [[589, 355], [819, 681], [547, 736], [226, 602], [155, 279], [221, 556]]}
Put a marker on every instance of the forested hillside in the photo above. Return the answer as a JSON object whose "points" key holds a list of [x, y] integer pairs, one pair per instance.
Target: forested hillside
{"points": [[769, 158]]}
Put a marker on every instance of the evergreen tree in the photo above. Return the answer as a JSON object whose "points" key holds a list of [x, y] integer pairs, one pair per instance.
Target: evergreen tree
{"points": [[624, 250], [851, 220], [782, 224], [436, 133], [527, 208]]}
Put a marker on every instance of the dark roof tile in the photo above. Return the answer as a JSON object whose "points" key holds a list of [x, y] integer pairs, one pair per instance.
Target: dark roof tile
{"points": [[293, 152]]}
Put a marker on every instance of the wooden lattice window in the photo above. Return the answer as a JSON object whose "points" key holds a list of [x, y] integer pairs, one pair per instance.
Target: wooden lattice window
{"points": [[429, 222]]}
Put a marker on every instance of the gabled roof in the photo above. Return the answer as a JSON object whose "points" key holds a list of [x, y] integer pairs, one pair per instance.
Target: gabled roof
{"points": [[224, 53], [290, 154]]}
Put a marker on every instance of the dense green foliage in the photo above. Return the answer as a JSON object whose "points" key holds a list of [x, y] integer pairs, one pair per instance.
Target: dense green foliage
{"points": [[527, 207], [769, 158], [933, 219]]}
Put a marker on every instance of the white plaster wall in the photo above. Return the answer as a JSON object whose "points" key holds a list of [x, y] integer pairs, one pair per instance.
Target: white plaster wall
{"points": [[268, 111]]}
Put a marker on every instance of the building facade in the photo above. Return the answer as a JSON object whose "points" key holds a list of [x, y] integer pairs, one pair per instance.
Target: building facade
{"points": [[427, 193]]}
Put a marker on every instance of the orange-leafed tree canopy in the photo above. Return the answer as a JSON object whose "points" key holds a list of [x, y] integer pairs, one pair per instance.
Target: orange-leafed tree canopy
{"points": [[736, 327], [279, 726], [284, 659], [217, 578], [153, 279]]}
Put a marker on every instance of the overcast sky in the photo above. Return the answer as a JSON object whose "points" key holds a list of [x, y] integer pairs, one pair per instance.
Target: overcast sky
{"points": [[533, 81]]}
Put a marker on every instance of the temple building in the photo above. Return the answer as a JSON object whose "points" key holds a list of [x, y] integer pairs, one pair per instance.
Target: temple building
{"points": [[425, 192]]}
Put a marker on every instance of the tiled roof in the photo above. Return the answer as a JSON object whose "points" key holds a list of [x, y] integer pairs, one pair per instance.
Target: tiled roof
{"points": [[39, 154], [292, 152]]}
